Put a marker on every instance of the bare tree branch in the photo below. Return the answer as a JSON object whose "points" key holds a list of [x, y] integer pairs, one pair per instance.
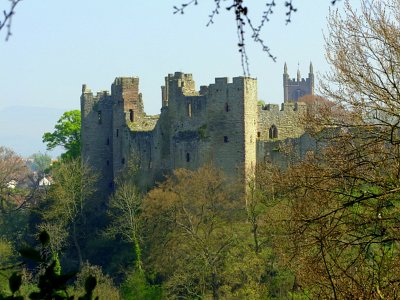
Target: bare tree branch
{"points": [[7, 17]]}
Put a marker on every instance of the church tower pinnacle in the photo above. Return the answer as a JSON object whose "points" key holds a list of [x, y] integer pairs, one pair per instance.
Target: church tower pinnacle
{"points": [[294, 89]]}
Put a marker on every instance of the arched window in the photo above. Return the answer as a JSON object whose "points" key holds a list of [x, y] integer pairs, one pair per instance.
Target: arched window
{"points": [[273, 132]]}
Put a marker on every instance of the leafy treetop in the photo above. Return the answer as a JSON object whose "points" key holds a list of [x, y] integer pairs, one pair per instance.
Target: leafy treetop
{"points": [[67, 134]]}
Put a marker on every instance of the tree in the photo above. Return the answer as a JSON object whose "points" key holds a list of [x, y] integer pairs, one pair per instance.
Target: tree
{"points": [[341, 203], [196, 237], [41, 163], [67, 134], [124, 208], [104, 289], [12, 168], [73, 185]]}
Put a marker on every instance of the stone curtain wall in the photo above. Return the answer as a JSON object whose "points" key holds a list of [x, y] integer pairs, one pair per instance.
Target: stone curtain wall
{"points": [[96, 135], [289, 120], [221, 124]]}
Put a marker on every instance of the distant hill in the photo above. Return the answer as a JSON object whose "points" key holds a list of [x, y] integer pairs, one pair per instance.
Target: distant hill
{"points": [[22, 127]]}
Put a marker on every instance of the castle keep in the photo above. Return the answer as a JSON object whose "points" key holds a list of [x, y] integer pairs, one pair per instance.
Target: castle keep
{"points": [[220, 124]]}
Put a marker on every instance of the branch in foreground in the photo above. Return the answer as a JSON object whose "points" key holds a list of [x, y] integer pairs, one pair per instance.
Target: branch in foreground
{"points": [[7, 17]]}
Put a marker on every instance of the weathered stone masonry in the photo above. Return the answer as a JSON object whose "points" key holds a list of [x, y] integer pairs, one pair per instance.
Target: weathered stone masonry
{"points": [[219, 124]]}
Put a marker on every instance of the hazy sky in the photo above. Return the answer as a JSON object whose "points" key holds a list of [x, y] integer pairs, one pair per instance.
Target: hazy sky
{"points": [[59, 45]]}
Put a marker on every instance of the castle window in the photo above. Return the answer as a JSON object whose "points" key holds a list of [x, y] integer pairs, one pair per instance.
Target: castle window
{"points": [[273, 132], [117, 132], [108, 141], [258, 134], [226, 107], [108, 162], [226, 139], [131, 116], [99, 116], [188, 157], [189, 110], [123, 161]]}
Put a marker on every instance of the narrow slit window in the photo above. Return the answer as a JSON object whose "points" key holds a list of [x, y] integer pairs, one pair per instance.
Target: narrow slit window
{"points": [[108, 141], [258, 134], [188, 157], [131, 115], [123, 161], [226, 107], [226, 140], [190, 110], [117, 132]]}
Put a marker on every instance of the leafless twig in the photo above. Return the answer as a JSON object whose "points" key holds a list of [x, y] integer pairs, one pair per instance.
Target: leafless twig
{"points": [[7, 17], [242, 20]]}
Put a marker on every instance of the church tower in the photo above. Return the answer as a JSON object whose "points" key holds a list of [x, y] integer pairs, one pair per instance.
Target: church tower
{"points": [[293, 89]]}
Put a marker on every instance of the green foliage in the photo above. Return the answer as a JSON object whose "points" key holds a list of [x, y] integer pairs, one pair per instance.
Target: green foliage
{"points": [[91, 281], [41, 162], [202, 132], [68, 197], [51, 283], [199, 238], [7, 264], [67, 134], [136, 286], [124, 211]]}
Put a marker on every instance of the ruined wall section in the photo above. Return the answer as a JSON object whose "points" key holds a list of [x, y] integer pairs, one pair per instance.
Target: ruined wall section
{"points": [[214, 125], [288, 121], [186, 114], [96, 135], [127, 106], [284, 152], [221, 124]]}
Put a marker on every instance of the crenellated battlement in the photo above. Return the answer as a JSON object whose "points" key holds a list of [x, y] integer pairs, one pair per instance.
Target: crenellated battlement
{"points": [[289, 106], [126, 81], [220, 123]]}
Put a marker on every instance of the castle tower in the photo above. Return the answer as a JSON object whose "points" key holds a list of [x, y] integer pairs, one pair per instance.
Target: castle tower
{"points": [[96, 136], [293, 89], [127, 108]]}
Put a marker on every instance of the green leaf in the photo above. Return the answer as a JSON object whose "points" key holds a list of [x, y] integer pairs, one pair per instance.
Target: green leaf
{"points": [[15, 282]]}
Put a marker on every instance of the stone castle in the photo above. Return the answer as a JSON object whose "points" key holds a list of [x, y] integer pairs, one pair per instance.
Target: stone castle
{"points": [[221, 124]]}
